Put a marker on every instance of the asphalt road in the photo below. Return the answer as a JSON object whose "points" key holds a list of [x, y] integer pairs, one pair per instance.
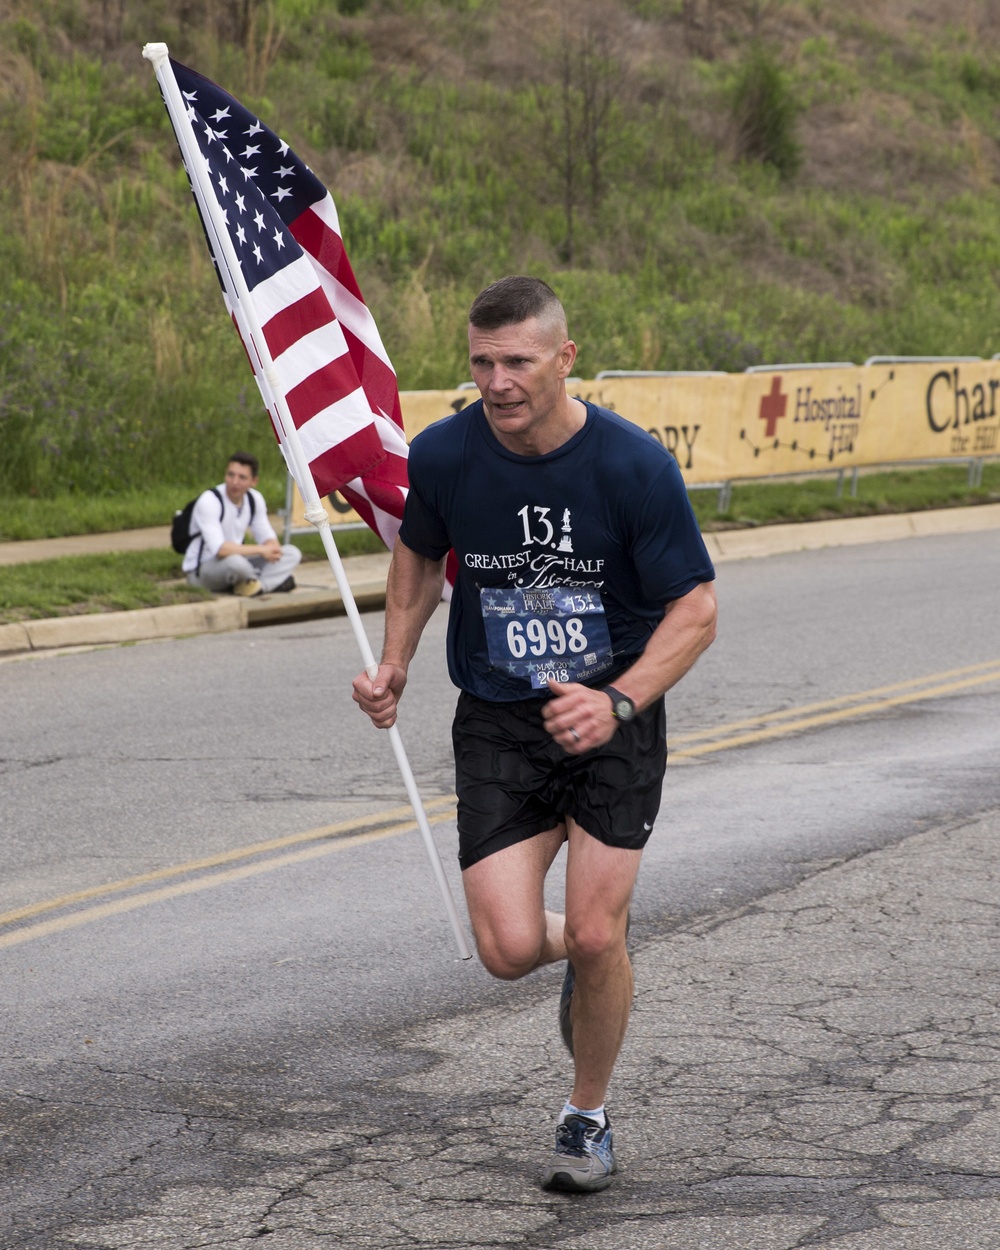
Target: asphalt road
{"points": [[277, 957]]}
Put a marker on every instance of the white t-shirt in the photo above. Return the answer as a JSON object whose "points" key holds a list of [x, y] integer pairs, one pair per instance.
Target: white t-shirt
{"points": [[213, 530]]}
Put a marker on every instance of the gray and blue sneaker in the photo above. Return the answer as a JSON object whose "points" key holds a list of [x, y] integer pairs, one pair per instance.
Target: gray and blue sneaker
{"points": [[583, 1160]]}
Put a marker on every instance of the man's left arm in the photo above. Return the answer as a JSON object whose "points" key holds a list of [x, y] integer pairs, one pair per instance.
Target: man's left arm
{"points": [[580, 718]]}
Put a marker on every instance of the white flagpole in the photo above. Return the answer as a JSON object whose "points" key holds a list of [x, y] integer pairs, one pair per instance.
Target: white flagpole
{"points": [[157, 54]]}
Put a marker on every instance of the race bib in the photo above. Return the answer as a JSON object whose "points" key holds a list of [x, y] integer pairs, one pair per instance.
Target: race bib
{"points": [[559, 634]]}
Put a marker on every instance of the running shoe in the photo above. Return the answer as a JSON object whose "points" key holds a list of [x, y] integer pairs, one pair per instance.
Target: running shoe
{"points": [[583, 1160]]}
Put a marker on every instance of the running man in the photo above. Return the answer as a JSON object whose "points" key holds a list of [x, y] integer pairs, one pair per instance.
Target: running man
{"points": [[584, 592]]}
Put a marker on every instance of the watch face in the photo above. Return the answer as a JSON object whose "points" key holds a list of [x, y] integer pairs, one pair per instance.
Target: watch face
{"points": [[622, 707]]}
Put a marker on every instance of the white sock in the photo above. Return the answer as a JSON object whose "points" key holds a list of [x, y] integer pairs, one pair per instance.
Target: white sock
{"points": [[597, 1114]]}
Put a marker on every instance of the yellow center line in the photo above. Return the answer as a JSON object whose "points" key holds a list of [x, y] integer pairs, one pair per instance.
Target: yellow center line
{"points": [[829, 718], [393, 822], [131, 902], [345, 827], [842, 700]]}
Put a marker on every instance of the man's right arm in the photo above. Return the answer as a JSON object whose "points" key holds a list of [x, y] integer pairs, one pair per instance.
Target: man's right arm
{"points": [[413, 591], [206, 522]]}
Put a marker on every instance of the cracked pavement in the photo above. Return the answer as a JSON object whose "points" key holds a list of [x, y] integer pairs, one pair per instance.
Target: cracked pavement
{"points": [[818, 1068]]}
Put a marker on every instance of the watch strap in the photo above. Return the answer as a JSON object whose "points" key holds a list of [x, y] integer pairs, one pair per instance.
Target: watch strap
{"points": [[617, 697]]}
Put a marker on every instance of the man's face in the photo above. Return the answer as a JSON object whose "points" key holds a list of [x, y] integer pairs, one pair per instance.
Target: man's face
{"points": [[521, 372], [239, 479]]}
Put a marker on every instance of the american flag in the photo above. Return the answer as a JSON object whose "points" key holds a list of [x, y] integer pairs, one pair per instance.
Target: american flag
{"points": [[329, 360]]}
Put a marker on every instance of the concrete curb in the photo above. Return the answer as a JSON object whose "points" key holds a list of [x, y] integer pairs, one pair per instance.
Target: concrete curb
{"points": [[98, 629], [366, 575], [771, 540], [272, 610]]}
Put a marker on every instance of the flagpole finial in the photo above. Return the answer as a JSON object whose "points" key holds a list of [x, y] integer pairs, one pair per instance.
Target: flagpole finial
{"points": [[157, 53]]}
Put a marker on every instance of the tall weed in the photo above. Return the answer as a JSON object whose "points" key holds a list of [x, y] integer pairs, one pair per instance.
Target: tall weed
{"points": [[765, 111]]}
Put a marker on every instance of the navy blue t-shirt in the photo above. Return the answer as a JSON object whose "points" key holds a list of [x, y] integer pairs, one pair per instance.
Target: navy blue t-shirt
{"points": [[565, 561]]}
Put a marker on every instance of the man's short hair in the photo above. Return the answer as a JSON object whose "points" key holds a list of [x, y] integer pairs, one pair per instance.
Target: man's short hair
{"points": [[244, 458], [512, 300]]}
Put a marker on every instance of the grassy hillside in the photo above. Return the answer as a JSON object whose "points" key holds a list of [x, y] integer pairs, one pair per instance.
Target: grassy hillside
{"points": [[708, 184]]}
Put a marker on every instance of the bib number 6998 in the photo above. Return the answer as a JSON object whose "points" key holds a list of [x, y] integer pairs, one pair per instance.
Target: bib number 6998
{"points": [[545, 637]]}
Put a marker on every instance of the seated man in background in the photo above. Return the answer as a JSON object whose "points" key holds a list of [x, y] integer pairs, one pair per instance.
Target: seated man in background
{"points": [[217, 557]]}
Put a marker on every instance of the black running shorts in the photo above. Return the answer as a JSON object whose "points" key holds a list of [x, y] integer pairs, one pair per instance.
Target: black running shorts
{"points": [[515, 781]]}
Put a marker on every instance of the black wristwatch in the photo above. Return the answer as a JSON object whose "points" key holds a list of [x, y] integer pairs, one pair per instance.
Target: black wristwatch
{"points": [[622, 707]]}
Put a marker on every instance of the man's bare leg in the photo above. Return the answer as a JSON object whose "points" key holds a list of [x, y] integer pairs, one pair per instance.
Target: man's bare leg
{"points": [[515, 934], [599, 883], [505, 896]]}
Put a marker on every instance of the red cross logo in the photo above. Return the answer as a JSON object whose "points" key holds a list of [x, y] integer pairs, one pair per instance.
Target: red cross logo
{"points": [[772, 407]]}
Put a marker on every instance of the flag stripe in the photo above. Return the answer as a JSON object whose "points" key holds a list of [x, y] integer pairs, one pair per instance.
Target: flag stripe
{"points": [[341, 287], [312, 312], [377, 378], [311, 353], [334, 384], [326, 247], [387, 477], [393, 438], [352, 456], [292, 282], [384, 521]]}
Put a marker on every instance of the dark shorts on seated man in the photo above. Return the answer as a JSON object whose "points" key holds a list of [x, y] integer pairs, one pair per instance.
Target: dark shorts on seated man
{"points": [[514, 780]]}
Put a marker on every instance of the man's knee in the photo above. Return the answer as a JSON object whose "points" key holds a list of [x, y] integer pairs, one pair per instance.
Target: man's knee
{"points": [[233, 569], [594, 939], [222, 574], [509, 955]]}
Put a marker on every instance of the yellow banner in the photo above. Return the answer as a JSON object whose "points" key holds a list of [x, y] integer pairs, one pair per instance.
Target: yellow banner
{"points": [[932, 411], [730, 427], [797, 421], [689, 414], [423, 408]]}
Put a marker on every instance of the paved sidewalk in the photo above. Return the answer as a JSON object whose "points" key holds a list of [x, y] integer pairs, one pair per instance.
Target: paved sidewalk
{"points": [[317, 595], [818, 1069], [84, 545]]}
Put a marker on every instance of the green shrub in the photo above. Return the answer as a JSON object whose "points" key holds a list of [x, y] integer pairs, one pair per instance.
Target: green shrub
{"points": [[765, 111]]}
